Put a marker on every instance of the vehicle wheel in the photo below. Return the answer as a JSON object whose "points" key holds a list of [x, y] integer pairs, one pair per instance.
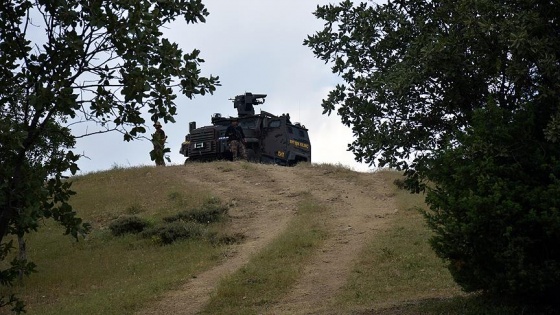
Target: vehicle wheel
{"points": [[251, 156], [227, 156]]}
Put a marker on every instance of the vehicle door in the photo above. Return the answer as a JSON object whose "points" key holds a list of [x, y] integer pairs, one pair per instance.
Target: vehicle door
{"points": [[274, 141]]}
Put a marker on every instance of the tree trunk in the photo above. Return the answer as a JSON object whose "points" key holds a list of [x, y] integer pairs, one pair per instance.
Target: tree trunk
{"points": [[22, 255]]}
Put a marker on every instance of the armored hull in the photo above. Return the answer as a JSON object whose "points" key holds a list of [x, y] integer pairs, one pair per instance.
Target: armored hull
{"points": [[269, 138]]}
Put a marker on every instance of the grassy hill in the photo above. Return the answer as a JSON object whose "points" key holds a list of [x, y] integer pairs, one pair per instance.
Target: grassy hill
{"points": [[312, 239]]}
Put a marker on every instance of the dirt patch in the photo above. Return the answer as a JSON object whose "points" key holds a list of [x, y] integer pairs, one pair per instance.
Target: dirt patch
{"points": [[264, 199]]}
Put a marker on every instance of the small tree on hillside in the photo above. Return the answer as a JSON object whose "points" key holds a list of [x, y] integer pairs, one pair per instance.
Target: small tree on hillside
{"points": [[63, 62], [465, 95]]}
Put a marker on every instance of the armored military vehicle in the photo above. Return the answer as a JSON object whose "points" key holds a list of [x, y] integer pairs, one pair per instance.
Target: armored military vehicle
{"points": [[269, 138]]}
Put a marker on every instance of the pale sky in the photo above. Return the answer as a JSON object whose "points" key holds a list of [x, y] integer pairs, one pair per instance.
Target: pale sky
{"points": [[253, 46]]}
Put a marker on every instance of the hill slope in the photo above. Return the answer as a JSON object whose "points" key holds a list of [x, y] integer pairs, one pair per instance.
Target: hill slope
{"points": [[264, 198]]}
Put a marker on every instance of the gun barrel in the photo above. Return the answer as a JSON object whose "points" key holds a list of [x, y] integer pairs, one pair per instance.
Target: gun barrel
{"points": [[244, 103], [256, 96]]}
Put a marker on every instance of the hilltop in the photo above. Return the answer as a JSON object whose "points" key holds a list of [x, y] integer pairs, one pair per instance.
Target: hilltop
{"points": [[309, 239], [264, 199]]}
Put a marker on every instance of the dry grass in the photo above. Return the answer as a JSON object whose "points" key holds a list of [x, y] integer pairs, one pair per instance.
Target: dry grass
{"points": [[397, 273], [398, 266], [270, 273], [115, 275]]}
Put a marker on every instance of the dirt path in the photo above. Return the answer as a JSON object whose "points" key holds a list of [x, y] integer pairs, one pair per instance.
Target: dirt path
{"points": [[358, 206]]}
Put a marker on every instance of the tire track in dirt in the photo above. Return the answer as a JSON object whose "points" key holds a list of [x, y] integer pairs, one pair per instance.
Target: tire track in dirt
{"points": [[257, 213], [265, 198], [355, 214]]}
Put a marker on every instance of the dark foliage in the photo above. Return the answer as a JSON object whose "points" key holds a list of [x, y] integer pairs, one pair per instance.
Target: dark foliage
{"points": [[169, 233], [464, 96], [104, 65], [227, 239], [128, 225], [502, 234], [208, 213]]}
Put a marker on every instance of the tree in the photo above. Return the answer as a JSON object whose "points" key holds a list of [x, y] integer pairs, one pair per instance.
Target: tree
{"points": [[463, 95], [78, 61]]}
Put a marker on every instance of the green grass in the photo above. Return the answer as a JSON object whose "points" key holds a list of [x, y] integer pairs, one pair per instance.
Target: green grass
{"points": [[398, 266], [270, 273], [112, 276], [103, 274], [397, 273]]}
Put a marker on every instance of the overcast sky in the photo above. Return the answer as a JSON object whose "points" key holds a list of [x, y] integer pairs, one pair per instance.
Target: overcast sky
{"points": [[253, 46]]}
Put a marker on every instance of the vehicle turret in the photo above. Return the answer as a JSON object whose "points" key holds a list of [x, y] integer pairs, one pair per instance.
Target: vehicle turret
{"points": [[244, 103]]}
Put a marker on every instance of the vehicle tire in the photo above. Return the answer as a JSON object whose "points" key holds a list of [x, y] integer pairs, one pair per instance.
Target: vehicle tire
{"points": [[251, 155]]}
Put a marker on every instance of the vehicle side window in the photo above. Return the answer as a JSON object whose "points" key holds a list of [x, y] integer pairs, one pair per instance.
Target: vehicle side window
{"points": [[248, 124], [274, 124]]}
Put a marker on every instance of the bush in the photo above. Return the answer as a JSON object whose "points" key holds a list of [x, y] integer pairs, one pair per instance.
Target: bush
{"points": [[225, 239], [128, 225], [174, 231], [495, 210], [210, 212]]}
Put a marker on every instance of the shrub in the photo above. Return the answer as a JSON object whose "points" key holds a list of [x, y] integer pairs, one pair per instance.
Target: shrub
{"points": [[171, 232], [226, 239], [134, 209], [128, 224], [495, 210], [210, 212]]}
